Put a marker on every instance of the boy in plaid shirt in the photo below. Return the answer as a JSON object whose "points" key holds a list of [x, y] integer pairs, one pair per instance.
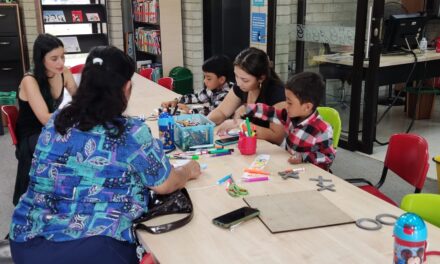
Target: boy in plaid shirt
{"points": [[309, 138], [217, 72]]}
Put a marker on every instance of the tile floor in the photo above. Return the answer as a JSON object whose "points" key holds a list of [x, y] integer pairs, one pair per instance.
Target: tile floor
{"points": [[396, 121]]}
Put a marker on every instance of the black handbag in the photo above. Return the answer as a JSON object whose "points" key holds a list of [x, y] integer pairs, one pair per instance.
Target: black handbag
{"points": [[177, 202]]}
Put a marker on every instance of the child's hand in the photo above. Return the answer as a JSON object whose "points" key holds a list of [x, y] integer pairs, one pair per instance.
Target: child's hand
{"points": [[227, 125], [184, 108], [169, 104], [296, 158]]}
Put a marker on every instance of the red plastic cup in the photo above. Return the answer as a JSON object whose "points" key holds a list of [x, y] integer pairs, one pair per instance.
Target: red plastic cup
{"points": [[247, 145]]}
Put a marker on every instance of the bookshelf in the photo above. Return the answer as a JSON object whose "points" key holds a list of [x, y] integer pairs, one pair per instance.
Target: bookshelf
{"points": [[154, 38], [13, 62], [80, 24]]}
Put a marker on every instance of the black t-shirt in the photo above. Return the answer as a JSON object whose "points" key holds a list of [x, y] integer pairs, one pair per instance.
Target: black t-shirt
{"points": [[272, 94]]}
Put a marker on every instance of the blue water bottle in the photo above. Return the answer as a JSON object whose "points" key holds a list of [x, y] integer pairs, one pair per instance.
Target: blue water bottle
{"points": [[410, 236], [166, 131]]}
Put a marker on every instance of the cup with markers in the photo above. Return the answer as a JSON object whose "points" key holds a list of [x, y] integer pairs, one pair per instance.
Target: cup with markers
{"points": [[247, 141]]}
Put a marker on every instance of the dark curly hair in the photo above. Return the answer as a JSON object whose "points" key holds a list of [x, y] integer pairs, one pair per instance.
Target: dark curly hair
{"points": [[100, 98]]}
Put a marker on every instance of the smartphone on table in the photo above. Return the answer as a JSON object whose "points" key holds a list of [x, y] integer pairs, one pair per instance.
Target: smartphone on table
{"points": [[232, 218], [226, 141]]}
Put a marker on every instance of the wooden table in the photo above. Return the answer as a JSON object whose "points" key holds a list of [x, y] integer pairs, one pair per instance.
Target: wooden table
{"points": [[251, 242]]}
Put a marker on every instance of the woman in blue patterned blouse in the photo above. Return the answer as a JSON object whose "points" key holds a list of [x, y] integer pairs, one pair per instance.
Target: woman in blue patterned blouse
{"points": [[91, 172]]}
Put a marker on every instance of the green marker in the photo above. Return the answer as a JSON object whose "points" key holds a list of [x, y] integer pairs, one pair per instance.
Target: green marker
{"points": [[218, 151], [248, 124]]}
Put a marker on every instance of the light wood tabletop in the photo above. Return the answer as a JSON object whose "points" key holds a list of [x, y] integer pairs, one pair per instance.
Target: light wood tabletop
{"points": [[251, 242], [385, 60]]}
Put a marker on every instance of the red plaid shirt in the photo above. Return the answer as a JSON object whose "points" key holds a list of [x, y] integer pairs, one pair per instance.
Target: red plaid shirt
{"points": [[312, 138]]}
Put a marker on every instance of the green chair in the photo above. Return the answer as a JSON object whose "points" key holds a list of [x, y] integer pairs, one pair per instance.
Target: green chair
{"points": [[331, 116], [426, 205]]}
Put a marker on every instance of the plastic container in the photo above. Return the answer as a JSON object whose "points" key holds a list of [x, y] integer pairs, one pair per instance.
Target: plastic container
{"points": [[423, 45], [192, 130], [166, 131], [8, 98], [410, 234], [183, 80], [436, 159], [247, 145]]}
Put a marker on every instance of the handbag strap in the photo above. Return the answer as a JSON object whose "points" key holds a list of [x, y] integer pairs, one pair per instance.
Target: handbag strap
{"points": [[159, 229], [162, 228]]}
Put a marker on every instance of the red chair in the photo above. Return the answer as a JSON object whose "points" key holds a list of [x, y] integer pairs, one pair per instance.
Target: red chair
{"points": [[166, 82], [11, 113], [77, 68], [146, 72], [407, 156]]}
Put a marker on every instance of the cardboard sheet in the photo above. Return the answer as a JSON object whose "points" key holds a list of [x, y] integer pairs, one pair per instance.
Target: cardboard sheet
{"points": [[297, 210]]}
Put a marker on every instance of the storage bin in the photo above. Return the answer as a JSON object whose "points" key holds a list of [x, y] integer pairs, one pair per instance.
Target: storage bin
{"points": [[192, 130], [8, 98], [183, 80], [420, 102]]}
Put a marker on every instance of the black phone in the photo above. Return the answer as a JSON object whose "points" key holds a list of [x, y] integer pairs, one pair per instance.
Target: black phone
{"points": [[226, 141], [232, 218]]}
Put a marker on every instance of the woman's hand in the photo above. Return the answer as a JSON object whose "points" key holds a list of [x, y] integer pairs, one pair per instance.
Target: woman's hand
{"points": [[184, 108], [193, 169], [296, 158], [227, 125], [169, 104]]}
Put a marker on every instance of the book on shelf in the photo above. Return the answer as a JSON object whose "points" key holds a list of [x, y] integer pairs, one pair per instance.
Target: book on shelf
{"points": [[93, 17], [77, 16], [53, 16], [148, 40], [64, 2], [70, 44], [146, 11]]}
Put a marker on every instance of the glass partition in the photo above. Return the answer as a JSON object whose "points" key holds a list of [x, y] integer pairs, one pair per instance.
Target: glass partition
{"points": [[319, 36]]}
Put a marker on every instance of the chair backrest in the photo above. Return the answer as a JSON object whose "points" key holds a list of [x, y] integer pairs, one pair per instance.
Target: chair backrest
{"points": [[146, 72], [331, 116], [426, 205], [11, 113], [408, 157], [166, 82], [76, 69]]}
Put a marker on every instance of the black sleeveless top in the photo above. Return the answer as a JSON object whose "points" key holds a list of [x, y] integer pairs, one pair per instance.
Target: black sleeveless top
{"points": [[27, 122], [272, 94]]}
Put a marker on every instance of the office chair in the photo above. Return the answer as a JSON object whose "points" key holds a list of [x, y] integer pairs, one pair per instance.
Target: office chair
{"points": [[166, 82], [146, 72], [11, 113], [407, 156], [331, 116], [426, 205], [76, 69]]}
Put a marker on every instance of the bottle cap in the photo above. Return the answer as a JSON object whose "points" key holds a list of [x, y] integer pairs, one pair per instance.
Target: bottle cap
{"points": [[410, 227]]}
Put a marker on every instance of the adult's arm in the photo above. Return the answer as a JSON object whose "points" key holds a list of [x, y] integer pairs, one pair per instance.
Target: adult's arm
{"points": [[30, 92], [69, 81], [178, 178], [225, 109], [275, 133]]}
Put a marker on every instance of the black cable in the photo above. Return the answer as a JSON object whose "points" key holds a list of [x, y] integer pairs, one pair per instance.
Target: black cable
{"points": [[397, 96], [400, 91], [418, 88]]}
